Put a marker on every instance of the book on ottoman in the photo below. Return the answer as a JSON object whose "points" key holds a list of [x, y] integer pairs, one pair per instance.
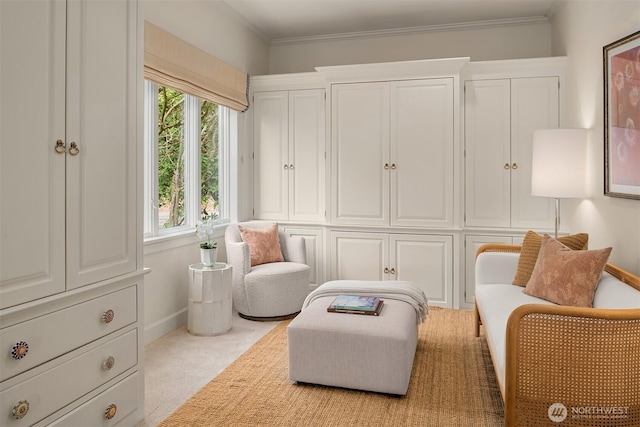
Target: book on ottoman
{"points": [[355, 304]]}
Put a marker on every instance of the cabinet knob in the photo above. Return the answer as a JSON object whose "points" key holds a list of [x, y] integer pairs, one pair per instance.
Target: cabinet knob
{"points": [[393, 165], [514, 166], [386, 165], [110, 412], [290, 166], [107, 316], [60, 148], [108, 363], [20, 409], [286, 167], [73, 149], [506, 166], [392, 271], [386, 270], [19, 350]]}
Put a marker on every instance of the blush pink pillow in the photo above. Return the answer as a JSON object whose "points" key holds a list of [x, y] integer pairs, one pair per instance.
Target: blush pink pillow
{"points": [[264, 245], [565, 276]]}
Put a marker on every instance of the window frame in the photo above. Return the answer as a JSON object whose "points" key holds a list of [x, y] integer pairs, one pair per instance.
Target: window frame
{"points": [[152, 231]]}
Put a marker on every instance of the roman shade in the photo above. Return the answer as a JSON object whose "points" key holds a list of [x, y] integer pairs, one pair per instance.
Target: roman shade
{"points": [[172, 62]]}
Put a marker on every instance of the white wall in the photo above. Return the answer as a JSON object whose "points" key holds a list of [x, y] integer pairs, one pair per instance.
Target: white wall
{"points": [[580, 29], [214, 28], [531, 40]]}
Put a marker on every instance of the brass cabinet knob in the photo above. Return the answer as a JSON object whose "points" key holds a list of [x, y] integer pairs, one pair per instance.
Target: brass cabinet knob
{"points": [[514, 166], [60, 148], [110, 412], [73, 149], [393, 165], [290, 167], [286, 167], [386, 270], [19, 350], [392, 271], [20, 409], [506, 166], [386, 165], [107, 316]]}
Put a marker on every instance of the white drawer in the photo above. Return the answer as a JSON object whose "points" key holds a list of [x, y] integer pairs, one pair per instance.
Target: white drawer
{"points": [[124, 395], [62, 384], [61, 331]]}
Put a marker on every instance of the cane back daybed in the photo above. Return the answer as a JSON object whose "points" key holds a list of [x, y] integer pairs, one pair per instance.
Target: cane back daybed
{"points": [[556, 364]]}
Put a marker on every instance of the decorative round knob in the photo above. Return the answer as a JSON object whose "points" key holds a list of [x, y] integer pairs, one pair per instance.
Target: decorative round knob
{"points": [[506, 166], [20, 409], [60, 147], [108, 363], [73, 149], [107, 316], [392, 271], [514, 166], [19, 350], [110, 412], [386, 269]]}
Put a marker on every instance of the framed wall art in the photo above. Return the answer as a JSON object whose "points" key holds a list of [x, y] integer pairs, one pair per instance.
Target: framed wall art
{"points": [[622, 117]]}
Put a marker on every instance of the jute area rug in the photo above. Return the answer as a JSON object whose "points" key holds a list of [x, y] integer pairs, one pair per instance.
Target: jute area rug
{"points": [[452, 384]]}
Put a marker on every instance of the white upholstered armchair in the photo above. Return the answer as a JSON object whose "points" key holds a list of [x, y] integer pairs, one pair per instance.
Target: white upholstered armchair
{"points": [[269, 291]]}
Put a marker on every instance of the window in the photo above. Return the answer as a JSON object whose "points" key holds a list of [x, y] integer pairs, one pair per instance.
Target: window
{"points": [[186, 161]]}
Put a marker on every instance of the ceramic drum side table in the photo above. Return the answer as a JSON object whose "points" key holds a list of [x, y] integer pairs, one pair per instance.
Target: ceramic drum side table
{"points": [[209, 299]]}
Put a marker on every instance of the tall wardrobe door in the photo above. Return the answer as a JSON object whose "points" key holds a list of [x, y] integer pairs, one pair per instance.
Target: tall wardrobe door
{"points": [[360, 151], [102, 122], [422, 145], [535, 104], [32, 190]]}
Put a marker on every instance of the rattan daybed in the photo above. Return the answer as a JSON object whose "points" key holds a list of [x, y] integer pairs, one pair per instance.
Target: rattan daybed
{"points": [[561, 365]]}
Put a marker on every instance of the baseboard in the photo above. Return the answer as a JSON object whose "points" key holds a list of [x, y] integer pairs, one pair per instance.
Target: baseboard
{"points": [[164, 326]]}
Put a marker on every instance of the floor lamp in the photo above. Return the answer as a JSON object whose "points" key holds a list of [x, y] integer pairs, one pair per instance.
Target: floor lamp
{"points": [[558, 165]]}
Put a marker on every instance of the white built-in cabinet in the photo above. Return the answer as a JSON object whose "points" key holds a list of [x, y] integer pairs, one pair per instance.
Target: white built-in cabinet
{"points": [[500, 118], [423, 259], [70, 260], [289, 155], [392, 147]]}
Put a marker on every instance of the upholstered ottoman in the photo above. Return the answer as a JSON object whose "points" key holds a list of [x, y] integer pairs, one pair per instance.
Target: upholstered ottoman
{"points": [[354, 351]]}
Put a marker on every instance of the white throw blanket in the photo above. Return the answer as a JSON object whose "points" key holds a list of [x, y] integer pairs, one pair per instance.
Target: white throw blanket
{"points": [[397, 290]]}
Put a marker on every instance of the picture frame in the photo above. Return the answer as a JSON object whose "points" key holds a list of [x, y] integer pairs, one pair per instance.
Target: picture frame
{"points": [[622, 117]]}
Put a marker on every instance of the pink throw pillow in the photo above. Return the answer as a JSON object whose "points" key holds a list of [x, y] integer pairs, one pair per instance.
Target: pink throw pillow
{"points": [[565, 276], [264, 245]]}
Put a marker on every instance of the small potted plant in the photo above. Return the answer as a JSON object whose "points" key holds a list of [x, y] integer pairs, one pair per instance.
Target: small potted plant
{"points": [[209, 247]]}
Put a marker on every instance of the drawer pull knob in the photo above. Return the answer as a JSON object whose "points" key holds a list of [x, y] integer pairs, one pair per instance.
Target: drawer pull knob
{"points": [[20, 409], [19, 350], [110, 412], [107, 316], [108, 363]]}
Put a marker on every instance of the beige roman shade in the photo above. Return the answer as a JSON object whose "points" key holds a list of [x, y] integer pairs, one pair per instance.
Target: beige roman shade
{"points": [[172, 62]]}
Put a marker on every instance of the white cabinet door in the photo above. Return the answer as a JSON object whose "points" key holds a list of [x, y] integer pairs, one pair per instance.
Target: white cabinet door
{"points": [[360, 153], [271, 155], [423, 259], [32, 175], [306, 155], [359, 256], [500, 117], [427, 261], [487, 153], [289, 141], [102, 120], [421, 158], [534, 105]]}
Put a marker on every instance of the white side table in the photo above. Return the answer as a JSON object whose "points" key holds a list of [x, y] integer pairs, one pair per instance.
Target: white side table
{"points": [[209, 299]]}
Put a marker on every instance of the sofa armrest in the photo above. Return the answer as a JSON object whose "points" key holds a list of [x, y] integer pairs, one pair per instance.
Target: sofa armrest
{"points": [[582, 358], [239, 256], [496, 267]]}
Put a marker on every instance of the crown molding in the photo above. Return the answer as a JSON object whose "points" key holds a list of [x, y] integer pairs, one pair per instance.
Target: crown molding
{"points": [[534, 20]]}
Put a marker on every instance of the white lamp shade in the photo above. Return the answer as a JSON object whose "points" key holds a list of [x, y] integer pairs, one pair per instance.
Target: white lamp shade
{"points": [[559, 163]]}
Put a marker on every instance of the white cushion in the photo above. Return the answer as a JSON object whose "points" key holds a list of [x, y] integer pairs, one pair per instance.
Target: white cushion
{"points": [[612, 293]]}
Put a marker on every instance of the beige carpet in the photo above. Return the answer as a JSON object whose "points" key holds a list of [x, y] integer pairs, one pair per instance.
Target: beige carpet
{"points": [[452, 384]]}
